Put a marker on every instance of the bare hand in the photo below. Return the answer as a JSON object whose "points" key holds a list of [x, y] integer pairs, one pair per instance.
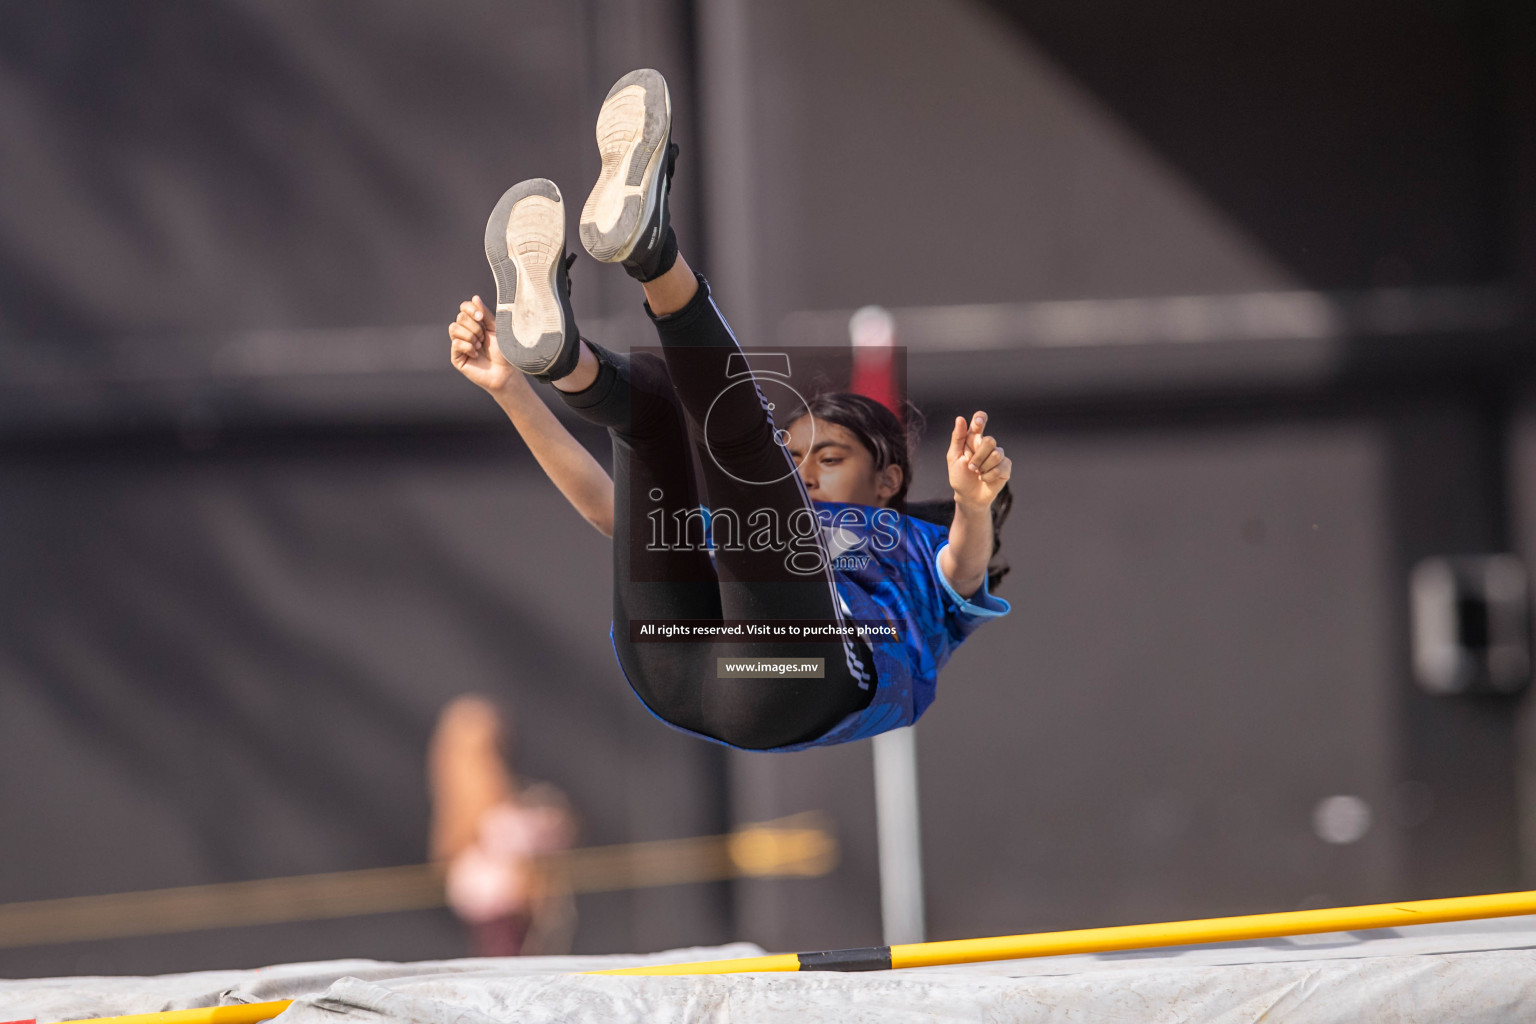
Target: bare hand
{"points": [[474, 351], [978, 469]]}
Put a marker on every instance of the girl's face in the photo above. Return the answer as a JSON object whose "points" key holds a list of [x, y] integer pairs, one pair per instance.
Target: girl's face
{"points": [[839, 467]]}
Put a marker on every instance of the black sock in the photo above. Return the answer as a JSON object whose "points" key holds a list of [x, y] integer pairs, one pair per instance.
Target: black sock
{"points": [[659, 261]]}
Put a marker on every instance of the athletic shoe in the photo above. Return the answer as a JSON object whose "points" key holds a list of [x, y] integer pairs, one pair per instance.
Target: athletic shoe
{"points": [[525, 243], [625, 219]]}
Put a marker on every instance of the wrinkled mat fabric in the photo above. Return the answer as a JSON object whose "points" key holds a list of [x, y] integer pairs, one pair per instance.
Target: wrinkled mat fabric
{"points": [[1480, 971]]}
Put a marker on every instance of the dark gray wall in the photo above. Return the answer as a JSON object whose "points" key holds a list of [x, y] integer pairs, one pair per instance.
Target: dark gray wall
{"points": [[1200, 652], [1191, 665], [224, 643], [234, 165], [226, 665]]}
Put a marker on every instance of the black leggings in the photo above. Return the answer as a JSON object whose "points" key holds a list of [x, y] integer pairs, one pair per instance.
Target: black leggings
{"points": [[654, 408]]}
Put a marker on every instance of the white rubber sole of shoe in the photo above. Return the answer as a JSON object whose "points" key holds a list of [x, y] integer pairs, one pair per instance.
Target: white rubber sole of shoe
{"points": [[632, 131], [524, 242]]}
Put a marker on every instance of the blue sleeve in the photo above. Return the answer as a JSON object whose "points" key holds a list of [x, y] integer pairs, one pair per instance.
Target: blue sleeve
{"points": [[980, 605]]}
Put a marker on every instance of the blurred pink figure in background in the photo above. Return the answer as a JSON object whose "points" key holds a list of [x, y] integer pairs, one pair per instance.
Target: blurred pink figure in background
{"points": [[490, 835]]}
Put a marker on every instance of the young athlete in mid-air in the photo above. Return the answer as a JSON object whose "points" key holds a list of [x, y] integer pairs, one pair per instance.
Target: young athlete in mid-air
{"points": [[771, 556]]}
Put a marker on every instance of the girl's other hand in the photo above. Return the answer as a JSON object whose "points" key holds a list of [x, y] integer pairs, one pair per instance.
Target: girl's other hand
{"points": [[474, 351], [978, 469]]}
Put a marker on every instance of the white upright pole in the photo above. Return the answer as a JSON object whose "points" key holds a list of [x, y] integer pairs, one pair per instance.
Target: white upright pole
{"points": [[900, 836]]}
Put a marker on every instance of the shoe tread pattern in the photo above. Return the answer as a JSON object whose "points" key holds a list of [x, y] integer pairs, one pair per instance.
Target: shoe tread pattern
{"points": [[524, 242], [632, 130]]}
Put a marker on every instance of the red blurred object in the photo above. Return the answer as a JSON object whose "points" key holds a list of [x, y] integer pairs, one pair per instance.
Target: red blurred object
{"points": [[873, 332]]}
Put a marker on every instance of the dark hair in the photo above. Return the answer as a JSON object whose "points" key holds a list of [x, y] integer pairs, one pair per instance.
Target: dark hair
{"points": [[876, 427], [890, 443]]}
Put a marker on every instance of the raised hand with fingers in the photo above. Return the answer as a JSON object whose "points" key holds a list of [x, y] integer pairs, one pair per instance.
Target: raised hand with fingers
{"points": [[474, 351], [978, 469]]}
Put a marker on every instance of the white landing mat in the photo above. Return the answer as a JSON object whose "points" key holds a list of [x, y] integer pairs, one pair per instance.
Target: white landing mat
{"points": [[1477, 971]]}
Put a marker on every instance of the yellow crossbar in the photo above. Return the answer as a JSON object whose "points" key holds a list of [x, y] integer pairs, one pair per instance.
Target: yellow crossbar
{"points": [[242, 1013], [1104, 940]]}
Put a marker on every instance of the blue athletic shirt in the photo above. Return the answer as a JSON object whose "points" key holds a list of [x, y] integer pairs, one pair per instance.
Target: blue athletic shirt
{"points": [[905, 587]]}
